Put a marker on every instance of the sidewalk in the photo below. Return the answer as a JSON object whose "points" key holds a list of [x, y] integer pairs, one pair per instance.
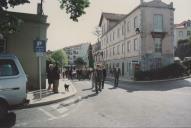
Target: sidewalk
{"points": [[48, 97]]}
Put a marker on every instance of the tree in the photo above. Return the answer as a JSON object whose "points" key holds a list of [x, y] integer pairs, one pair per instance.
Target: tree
{"points": [[79, 62], [60, 57], [74, 7], [184, 49], [90, 57], [9, 23]]}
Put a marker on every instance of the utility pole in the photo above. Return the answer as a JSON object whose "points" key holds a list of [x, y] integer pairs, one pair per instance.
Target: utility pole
{"points": [[40, 13]]}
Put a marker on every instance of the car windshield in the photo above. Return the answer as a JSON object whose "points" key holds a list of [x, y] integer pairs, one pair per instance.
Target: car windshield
{"points": [[8, 68]]}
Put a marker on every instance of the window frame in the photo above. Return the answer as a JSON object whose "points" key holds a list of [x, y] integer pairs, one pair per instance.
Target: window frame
{"points": [[156, 23], [158, 46], [11, 62]]}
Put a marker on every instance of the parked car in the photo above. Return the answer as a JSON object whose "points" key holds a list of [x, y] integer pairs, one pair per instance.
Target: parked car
{"points": [[13, 83], [187, 58]]}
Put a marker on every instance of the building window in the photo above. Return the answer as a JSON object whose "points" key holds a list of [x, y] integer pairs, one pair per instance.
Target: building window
{"points": [[135, 22], [106, 53], [110, 52], [180, 34], [128, 26], [118, 32], [188, 23], [158, 45], [102, 30], [114, 35], [136, 47], [122, 48], [158, 23], [118, 49], [188, 33], [128, 46], [122, 30], [113, 51], [2, 46]]}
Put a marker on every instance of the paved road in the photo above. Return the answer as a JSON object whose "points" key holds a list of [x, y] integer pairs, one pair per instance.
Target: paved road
{"points": [[165, 104]]}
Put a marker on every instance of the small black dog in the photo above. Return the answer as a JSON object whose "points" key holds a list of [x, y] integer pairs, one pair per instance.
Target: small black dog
{"points": [[66, 86]]}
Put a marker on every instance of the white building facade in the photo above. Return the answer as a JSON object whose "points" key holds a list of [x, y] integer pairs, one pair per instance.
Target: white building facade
{"points": [[140, 40], [182, 31], [77, 51]]}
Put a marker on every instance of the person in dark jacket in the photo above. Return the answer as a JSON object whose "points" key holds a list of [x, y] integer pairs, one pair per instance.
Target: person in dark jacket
{"points": [[116, 73], [50, 75], [98, 78], [56, 78], [104, 76]]}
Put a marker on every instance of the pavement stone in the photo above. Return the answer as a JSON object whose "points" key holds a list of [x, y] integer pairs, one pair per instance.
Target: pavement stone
{"points": [[48, 97]]}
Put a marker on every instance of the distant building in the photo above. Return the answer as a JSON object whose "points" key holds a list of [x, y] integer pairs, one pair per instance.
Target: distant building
{"points": [[76, 51], [140, 40], [182, 31], [21, 42]]}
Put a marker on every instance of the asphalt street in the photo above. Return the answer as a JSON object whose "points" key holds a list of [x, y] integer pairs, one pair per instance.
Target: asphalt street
{"points": [[165, 104]]}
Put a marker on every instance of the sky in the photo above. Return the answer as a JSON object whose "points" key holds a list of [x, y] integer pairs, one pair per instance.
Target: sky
{"points": [[64, 32]]}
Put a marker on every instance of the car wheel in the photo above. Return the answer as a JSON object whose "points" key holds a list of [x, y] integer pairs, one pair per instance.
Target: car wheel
{"points": [[3, 110]]}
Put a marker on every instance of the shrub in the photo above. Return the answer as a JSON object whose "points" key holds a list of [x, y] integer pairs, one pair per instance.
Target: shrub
{"points": [[174, 70]]}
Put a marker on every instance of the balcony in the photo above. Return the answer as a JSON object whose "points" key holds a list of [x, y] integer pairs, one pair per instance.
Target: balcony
{"points": [[158, 34]]}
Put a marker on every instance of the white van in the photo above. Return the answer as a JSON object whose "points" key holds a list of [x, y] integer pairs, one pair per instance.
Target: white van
{"points": [[13, 83]]}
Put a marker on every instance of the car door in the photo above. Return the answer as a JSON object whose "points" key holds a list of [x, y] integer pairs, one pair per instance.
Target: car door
{"points": [[11, 82]]}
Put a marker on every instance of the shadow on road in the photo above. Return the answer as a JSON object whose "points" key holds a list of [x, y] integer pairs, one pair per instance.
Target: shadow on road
{"points": [[89, 96], [112, 88], [9, 121], [86, 89], [159, 86]]}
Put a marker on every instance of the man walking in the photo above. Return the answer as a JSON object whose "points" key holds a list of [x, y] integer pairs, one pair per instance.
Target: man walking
{"points": [[98, 78], [104, 76], [116, 76]]}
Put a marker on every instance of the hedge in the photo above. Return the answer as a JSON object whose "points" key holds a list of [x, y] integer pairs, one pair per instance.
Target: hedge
{"points": [[174, 70]]}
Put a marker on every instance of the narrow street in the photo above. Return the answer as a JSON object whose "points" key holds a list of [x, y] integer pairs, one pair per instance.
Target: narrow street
{"points": [[152, 105]]}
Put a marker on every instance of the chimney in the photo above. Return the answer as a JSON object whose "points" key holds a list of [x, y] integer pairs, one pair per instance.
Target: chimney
{"points": [[171, 4]]}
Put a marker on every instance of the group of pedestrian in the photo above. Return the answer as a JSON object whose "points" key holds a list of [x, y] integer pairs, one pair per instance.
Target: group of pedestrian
{"points": [[98, 76], [53, 75]]}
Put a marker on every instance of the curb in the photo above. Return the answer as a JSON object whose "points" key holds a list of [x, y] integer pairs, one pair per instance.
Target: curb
{"points": [[152, 81], [47, 102]]}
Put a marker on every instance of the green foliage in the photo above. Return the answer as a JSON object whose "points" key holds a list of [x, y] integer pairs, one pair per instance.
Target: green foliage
{"points": [[59, 57], [74, 7], [10, 23], [90, 57], [79, 62], [4, 4], [183, 49]]}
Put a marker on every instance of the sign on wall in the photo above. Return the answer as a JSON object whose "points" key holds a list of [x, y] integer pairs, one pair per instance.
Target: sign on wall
{"points": [[39, 47]]}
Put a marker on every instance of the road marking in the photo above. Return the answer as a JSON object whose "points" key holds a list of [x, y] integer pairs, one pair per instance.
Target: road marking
{"points": [[47, 113], [65, 115], [59, 108], [20, 124]]}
